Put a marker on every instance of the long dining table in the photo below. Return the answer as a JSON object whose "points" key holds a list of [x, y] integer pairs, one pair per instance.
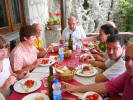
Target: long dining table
{"points": [[40, 72]]}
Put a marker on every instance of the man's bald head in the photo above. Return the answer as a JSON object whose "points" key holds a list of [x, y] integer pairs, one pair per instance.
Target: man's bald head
{"points": [[72, 23]]}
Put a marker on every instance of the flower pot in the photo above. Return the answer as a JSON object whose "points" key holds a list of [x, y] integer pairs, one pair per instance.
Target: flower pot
{"points": [[54, 27]]}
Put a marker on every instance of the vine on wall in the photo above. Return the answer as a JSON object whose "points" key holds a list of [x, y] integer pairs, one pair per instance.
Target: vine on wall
{"points": [[126, 15]]}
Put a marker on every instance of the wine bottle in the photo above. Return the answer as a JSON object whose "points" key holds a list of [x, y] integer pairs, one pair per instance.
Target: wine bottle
{"points": [[50, 82], [70, 42]]}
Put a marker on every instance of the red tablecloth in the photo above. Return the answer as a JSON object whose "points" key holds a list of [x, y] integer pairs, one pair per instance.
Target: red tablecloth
{"points": [[67, 61]]}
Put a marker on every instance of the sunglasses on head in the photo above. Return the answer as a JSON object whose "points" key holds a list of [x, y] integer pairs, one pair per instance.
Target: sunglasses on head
{"points": [[127, 58]]}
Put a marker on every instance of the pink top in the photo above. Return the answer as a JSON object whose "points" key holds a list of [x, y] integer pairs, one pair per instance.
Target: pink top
{"points": [[22, 56], [123, 83]]}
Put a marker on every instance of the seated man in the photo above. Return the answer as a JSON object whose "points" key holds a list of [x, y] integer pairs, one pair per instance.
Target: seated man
{"points": [[114, 65], [122, 83], [38, 43], [77, 32]]}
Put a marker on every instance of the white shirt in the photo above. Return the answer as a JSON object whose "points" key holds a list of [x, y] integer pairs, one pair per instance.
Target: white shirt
{"points": [[5, 71], [77, 34], [114, 68]]}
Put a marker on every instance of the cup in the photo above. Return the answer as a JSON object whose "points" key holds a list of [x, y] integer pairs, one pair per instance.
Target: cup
{"points": [[45, 81]]}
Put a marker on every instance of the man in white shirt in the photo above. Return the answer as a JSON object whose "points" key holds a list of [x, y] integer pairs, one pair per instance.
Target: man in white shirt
{"points": [[76, 31], [114, 65]]}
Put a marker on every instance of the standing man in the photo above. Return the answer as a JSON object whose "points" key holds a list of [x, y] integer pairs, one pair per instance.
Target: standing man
{"points": [[76, 31]]}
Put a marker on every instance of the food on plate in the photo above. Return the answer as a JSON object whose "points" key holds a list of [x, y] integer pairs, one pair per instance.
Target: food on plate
{"points": [[92, 97], [29, 83], [45, 61], [39, 98], [85, 57], [86, 68]]}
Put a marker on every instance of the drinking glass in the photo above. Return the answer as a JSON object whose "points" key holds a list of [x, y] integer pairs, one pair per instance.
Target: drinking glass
{"points": [[45, 81]]}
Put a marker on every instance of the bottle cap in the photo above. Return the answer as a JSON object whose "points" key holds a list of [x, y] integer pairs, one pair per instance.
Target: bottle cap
{"points": [[56, 81], [61, 46]]}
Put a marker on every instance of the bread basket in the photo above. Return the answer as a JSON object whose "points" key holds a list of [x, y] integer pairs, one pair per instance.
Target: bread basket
{"points": [[67, 53], [67, 74]]}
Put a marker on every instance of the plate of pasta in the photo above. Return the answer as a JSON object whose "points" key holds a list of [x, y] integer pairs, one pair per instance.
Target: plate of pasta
{"points": [[86, 70], [27, 85]]}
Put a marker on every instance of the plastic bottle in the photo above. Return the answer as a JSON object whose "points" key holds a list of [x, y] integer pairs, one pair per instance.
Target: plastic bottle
{"points": [[79, 46], [61, 54], [56, 90]]}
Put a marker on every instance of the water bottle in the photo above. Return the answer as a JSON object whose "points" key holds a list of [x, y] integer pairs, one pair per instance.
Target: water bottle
{"points": [[56, 90], [61, 54], [79, 46]]}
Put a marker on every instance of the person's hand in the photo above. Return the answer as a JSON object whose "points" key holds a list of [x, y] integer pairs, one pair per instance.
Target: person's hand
{"points": [[38, 61], [83, 58], [50, 48], [98, 57], [92, 62], [42, 52], [93, 51], [10, 81], [67, 87]]}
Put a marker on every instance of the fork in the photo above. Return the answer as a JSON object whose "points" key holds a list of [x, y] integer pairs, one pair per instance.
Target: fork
{"points": [[23, 86]]}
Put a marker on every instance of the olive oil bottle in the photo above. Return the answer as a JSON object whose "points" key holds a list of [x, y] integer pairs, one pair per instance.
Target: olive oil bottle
{"points": [[70, 42], [50, 82]]}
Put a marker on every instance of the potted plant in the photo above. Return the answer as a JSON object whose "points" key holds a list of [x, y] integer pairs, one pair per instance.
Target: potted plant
{"points": [[54, 21]]}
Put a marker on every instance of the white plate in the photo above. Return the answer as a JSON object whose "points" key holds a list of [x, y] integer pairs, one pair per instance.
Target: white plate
{"points": [[50, 62], [92, 72], [90, 93], [34, 95], [20, 87], [88, 54], [53, 58]]}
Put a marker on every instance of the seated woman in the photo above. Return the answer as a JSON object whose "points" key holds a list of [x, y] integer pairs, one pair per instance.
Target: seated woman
{"points": [[7, 77], [24, 57], [105, 31]]}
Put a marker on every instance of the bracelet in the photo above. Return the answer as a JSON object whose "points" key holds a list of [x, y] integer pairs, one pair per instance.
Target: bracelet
{"points": [[8, 80]]}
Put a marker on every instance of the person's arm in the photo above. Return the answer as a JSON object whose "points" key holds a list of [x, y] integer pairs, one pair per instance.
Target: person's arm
{"points": [[100, 78], [99, 58], [98, 87], [30, 67], [41, 53], [98, 64], [10, 81], [90, 38]]}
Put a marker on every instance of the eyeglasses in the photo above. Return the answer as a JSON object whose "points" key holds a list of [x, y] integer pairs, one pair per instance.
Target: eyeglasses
{"points": [[127, 58], [114, 48]]}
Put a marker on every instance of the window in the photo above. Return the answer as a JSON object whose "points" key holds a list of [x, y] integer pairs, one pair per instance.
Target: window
{"points": [[11, 15]]}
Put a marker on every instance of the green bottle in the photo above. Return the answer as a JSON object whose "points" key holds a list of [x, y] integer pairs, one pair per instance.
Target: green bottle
{"points": [[70, 42], [102, 46], [50, 82]]}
